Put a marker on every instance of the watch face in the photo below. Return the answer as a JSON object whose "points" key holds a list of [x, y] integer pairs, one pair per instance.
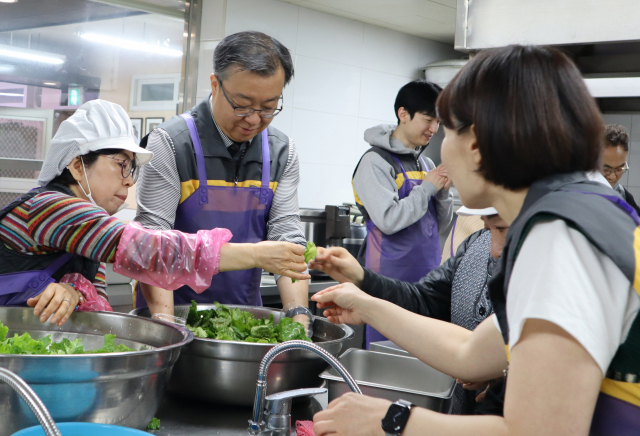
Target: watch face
{"points": [[396, 419]]}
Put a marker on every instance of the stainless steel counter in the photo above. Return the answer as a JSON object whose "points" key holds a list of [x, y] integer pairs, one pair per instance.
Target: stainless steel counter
{"points": [[183, 417]]}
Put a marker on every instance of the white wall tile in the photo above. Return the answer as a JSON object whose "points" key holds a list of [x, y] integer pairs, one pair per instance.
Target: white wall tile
{"points": [[634, 145], [213, 20], [378, 93], [324, 138], [634, 171], [330, 37], [282, 122], [622, 119], [324, 184], [635, 127], [325, 86], [205, 68], [275, 18]]}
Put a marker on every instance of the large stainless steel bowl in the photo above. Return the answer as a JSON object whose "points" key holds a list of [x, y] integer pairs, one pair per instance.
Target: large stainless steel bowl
{"points": [[121, 388], [226, 371]]}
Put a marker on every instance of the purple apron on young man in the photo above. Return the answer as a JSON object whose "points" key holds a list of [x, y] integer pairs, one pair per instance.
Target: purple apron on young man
{"points": [[407, 255], [244, 211], [18, 287]]}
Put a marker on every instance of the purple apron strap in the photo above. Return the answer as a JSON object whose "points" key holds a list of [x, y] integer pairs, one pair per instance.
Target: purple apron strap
{"points": [[266, 168], [453, 231], [58, 263], [617, 201], [426, 168], [197, 147]]}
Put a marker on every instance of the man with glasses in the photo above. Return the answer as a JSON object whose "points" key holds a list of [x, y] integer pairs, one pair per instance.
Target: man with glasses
{"points": [[614, 160], [222, 165]]}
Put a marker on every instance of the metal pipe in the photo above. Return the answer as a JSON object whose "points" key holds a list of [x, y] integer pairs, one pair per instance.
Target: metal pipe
{"points": [[256, 425], [32, 400]]}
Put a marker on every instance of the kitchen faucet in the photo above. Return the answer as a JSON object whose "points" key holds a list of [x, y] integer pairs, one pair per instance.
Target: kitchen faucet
{"points": [[278, 406]]}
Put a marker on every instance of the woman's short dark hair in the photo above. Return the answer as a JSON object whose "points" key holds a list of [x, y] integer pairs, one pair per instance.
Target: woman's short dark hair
{"points": [[616, 136], [531, 113], [66, 179], [418, 96]]}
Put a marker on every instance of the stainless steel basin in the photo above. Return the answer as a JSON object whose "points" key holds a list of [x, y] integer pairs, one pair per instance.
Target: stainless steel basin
{"points": [[392, 377], [225, 372], [121, 388], [388, 347]]}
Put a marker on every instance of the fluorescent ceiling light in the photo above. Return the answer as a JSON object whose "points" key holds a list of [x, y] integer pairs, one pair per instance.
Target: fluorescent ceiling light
{"points": [[130, 44], [9, 94], [31, 55], [50, 83], [8, 1]]}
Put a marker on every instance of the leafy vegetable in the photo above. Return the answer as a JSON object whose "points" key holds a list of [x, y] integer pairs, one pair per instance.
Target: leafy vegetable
{"points": [[309, 253], [154, 424], [25, 344], [239, 325]]}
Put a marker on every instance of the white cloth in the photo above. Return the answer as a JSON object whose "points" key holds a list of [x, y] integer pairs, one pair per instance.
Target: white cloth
{"points": [[560, 277], [96, 125]]}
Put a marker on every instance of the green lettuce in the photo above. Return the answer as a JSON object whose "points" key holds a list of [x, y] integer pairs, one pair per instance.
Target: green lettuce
{"points": [[229, 324], [309, 253]]}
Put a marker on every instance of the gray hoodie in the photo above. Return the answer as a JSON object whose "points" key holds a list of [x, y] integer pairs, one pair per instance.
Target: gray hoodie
{"points": [[374, 182]]}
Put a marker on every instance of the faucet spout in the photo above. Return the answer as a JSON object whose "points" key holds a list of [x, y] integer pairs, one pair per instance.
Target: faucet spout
{"points": [[257, 424]]}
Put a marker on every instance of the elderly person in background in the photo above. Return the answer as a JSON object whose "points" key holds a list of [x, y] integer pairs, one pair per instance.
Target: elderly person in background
{"points": [[455, 292], [614, 160]]}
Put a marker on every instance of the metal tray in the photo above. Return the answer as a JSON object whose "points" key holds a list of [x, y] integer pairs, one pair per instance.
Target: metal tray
{"points": [[388, 347], [393, 377]]}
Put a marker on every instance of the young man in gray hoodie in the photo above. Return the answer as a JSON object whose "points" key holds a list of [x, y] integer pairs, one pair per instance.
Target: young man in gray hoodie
{"points": [[404, 198]]}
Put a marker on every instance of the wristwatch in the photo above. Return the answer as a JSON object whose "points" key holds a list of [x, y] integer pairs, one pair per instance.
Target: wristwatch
{"points": [[301, 310], [396, 419]]}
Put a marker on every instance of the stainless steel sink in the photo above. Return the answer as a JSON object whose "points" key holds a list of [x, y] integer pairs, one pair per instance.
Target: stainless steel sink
{"points": [[388, 347], [392, 377]]}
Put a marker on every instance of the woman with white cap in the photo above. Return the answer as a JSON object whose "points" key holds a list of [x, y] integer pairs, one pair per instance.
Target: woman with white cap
{"points": [[57, 238]]}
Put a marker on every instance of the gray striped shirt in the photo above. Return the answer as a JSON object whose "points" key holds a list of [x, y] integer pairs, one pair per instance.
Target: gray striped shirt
{"points": [[158, 191]]}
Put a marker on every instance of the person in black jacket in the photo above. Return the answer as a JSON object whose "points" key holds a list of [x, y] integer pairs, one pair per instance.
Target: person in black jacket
{"points": [[456, 291], [614, 160]]}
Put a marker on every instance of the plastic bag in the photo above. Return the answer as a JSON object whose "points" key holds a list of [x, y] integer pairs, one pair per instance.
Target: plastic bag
{"points": [[170, 259], [92, 301]]}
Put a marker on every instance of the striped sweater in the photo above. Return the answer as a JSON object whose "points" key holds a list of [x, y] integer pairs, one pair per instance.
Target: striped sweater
{"points": [[52, 221]]}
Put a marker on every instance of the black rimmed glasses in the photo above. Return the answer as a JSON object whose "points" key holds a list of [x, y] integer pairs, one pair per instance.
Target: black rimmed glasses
{"points": [[619, 171], [242, 111], [127, 167]]}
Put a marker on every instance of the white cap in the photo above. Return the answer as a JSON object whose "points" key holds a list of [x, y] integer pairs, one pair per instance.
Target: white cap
{"points": [[96, 125], [465, 211]]}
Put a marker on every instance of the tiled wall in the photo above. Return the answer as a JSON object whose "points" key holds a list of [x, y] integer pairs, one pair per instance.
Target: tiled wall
{"points": [[631, 122], [347, 75]]}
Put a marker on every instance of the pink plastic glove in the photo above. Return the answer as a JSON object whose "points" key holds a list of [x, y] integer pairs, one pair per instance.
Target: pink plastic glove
{"points": [[170, 259], [92, 301], [304, 428]]}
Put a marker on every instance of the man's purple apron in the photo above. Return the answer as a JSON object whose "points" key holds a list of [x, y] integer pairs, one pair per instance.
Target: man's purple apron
{"points": [[407, 255], [244, 211], [18, 287]]}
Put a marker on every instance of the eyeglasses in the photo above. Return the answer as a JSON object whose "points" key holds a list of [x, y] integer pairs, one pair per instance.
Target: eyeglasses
{"points": [[607, 170], [127, 167], [242, 111]]}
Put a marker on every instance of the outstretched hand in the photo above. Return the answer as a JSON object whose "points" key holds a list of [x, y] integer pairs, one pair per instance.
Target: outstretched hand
{"points": [[343, 304], [338, 264]]}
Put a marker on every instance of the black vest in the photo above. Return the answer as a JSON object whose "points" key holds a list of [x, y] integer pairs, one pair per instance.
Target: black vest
{"points": [[12, 261], [605, 225], [221, 169]]}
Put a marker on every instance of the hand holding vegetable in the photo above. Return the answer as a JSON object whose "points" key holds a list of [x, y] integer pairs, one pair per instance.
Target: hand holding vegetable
{"points": [[344, 303], [339, 264], [438, 177], [58, 299], [283, 258]]}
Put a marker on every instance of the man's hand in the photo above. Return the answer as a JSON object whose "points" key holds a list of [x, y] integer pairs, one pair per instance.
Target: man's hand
{"points": [[60, 299], [438, 177], [339, 264], [473, 386], [344, 303], [352, 415]]}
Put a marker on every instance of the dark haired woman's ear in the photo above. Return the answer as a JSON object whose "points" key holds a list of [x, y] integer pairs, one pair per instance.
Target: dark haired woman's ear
{"points": [[472, 141], [76, 169]]}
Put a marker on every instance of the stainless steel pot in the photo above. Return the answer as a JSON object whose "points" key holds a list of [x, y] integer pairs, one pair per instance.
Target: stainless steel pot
{"points": [[121, 388], [226, 371], [314, 225]]}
